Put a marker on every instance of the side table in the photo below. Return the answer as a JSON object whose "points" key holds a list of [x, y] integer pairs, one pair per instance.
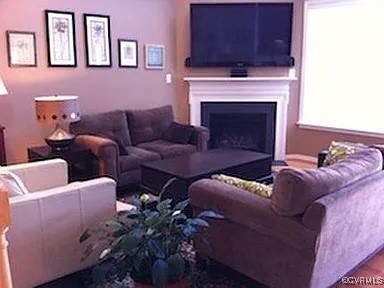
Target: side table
{"points": [[80, 161]]}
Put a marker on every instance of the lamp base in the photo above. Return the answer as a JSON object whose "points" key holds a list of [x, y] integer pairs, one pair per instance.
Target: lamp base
{"points": [[60, 139]]}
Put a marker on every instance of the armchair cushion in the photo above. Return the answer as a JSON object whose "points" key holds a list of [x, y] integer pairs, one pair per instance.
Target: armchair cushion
{"points": [[178, 133], [12, 184], [150, 124]]}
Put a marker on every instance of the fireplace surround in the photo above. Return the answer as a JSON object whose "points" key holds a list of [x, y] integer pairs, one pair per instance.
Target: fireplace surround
{"points": [[247, 90]]}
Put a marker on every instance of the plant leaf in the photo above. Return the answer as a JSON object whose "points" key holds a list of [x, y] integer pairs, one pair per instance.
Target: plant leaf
{"points": [[86, 235], [160, 273], [152, 218], [164, 205], [156, 248], [189, 230], [210, 214], [131, 240], [100, 271], [176, 264], [181, 205], [131, 214], [199, 222]]}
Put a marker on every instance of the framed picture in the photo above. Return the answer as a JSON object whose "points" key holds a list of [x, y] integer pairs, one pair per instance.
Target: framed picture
{"points": [[154, 56], [128, 52], [97, 40], [61, 38], [21, 49]]}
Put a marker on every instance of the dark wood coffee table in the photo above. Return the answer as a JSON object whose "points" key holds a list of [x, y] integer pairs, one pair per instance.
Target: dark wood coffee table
{"points": [[245, 164]]}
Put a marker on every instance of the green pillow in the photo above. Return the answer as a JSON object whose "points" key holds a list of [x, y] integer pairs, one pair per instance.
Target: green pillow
{"points": [[340, 150], [251, 186]]}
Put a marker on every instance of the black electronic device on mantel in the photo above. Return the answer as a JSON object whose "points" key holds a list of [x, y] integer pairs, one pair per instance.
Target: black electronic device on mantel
{"points": [[240, 34]]}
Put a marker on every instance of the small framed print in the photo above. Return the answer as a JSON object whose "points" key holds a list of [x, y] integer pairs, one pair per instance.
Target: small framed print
{"points": [[21, 49], [128, 51], [98, 40], [61, 40], [154, 56]]}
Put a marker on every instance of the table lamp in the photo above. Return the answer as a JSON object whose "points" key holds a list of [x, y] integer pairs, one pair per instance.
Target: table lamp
{"points": [[58, 110]]}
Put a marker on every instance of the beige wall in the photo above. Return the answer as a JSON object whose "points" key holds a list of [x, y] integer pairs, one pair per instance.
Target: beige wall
{"points": [[99, 89], [299, 140]]}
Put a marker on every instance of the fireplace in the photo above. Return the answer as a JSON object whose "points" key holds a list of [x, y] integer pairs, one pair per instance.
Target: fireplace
{"points": [[248, 91], [249, 125]]}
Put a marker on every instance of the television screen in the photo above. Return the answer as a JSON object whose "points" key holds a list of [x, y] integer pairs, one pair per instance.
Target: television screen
{"points": [[241, 34]]}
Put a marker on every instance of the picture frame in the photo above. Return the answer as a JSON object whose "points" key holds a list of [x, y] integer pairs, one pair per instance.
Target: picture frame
{"points": [[97, 40], [61, 38], [21, 46], [128, 53], [154, 56]]}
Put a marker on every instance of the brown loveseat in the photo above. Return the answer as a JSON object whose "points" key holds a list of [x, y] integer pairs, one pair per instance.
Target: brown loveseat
{"points": [[121, 140], [318, 225]]}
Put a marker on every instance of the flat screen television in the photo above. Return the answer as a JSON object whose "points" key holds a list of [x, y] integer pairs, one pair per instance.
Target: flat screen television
{"points": [[240, 34]]}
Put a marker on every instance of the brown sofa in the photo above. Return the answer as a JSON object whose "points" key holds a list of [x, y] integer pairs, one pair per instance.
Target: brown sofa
{"points": [[319, 225], [121, 140]]}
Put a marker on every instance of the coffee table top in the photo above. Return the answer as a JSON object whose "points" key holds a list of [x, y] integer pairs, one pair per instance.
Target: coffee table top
{"points": [[199, 163]]}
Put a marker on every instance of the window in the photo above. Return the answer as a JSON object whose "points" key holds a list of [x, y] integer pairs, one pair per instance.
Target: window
{"points": [[343, 65]]}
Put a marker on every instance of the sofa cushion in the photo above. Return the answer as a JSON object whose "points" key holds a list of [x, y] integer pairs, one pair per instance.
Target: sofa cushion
{"points": [[12, 183], [178, 133], [168, 149], [295, 189], [135, 157], [148, 125], [111, 124], [251, 186]]}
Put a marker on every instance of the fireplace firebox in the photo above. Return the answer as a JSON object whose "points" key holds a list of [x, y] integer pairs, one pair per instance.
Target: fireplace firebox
{"points": [[241, 125]]}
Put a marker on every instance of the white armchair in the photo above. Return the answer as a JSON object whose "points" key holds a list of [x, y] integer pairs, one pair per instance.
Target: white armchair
{"points": [[47, 222]]}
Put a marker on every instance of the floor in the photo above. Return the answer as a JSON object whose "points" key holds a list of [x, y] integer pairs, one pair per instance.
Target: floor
{"points": [[372, 270]]}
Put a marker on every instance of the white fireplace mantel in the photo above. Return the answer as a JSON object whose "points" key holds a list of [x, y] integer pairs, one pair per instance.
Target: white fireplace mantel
{"points": [[247, 89]]}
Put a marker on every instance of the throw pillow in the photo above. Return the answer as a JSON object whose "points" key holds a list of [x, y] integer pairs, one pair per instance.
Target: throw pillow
{"points": [[12, 184], [251, 186], [178, 133], [340, 150]]}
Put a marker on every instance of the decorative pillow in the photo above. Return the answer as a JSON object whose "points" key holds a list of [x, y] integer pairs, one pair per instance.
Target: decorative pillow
{"points": [[251, 186], [178, 133], [340, 150], [12, 184]]}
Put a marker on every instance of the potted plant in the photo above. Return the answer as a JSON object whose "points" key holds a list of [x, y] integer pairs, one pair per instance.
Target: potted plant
{"points": [[147, 242]]}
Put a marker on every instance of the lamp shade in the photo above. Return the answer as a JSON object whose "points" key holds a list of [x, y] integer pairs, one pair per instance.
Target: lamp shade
{"points": [[3, 90], [57, 109]]}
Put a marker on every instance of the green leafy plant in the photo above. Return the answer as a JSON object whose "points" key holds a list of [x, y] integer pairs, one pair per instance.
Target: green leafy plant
{"points": [[146, 242]]}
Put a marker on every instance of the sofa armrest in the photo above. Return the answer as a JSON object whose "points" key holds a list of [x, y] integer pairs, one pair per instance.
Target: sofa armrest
{"points": [[249, 210], [106, 152], [200, 138], [41, 175], [46, 226]]}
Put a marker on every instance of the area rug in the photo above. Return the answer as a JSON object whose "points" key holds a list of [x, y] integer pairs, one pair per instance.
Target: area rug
{"points": [[213, 275]]}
